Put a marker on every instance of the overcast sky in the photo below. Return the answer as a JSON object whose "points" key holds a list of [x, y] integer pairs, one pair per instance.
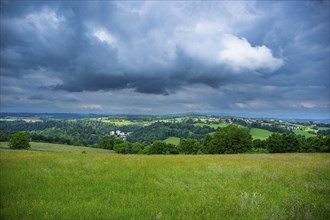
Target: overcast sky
{"points": [[266, 58]]}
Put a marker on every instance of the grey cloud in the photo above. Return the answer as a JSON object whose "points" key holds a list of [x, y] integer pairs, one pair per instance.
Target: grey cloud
{"points": [[167, 49]]}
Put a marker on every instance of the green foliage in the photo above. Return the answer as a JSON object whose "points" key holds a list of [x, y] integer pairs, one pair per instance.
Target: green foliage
{"points": [[207, 140], [19, 141], [146, 150], [160, 147], [275, 143], [257, 143], [229, 140], [161, 131], [4, 136], [189, 146], [122, 148], [107, 142], [317, 144], [136, 148], [281, 143]]}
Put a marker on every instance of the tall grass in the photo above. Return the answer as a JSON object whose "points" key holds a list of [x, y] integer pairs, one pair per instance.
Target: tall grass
{"points": [[38, 146], [47, 185]]}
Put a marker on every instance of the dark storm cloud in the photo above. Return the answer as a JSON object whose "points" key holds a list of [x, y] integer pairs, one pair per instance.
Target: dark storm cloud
{"points": [[167, 48], [95, 82], [90, 48]]}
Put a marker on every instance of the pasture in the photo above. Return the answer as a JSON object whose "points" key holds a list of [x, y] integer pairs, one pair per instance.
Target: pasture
{"points": [[303, 133], [261, 134], [172, 140], [215, 126], [38, 146], [54, 185]]}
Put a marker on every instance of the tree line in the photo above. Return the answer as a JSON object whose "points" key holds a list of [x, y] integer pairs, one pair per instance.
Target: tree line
{"points": [[229, 140]]}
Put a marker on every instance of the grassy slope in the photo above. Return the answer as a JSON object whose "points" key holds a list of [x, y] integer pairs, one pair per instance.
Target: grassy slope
{"points": [[44, 185], [258, 133], [300, 132], [221, 125], [172, 140], [323, 128], [37, 146]]}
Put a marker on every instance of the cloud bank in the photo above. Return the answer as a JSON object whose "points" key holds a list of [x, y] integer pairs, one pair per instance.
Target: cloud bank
{"points": [[177, 50]]}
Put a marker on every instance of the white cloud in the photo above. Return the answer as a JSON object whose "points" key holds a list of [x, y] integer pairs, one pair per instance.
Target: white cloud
{"points": [[91, 106], [253, 104], [104, 36], [239, 54]]}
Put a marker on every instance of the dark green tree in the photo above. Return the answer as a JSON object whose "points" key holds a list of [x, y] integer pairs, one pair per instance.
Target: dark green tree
{"points": [[275, 143], [189, 146], [207, 140], [136, 148], [290, 143], [107, 142], [160, 147], [19, 140], [317, 144], [122, 148], [229, 140]]}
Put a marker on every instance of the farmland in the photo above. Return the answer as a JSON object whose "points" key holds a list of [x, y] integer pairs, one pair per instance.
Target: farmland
{"points": [[55, 185]]}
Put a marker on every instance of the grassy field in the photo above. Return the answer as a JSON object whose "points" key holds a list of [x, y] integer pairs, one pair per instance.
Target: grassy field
{"points": [[258, 133], [300, 132], [172, 140], [50, 185], [37, 146], [323, 128], [221, 125]]}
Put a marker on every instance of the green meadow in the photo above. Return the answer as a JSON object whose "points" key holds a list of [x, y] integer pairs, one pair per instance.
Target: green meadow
{"points": [[62, 185], [172, 140], [261, 134], [38, 146], [303, 133], [221, 125]]}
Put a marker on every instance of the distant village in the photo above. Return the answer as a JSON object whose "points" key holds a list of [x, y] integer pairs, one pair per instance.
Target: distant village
{"points": [[120, 134]]}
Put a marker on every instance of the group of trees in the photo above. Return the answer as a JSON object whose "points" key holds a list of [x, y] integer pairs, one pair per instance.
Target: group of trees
{"points": [[194, 139], [229, 140], [162, 130], [283, 143], [83, 132]]}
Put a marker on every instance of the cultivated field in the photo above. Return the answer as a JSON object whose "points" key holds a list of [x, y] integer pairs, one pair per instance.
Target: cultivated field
{"points": [[54, 185]]}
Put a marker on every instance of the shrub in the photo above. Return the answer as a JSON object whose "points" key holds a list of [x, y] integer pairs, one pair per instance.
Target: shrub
{"points": [[122, 148], [19, 141]]}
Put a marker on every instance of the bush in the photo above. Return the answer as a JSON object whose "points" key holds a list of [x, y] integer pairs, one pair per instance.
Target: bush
{"points": [[159, 147], [122, 148], [19, 141]]}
